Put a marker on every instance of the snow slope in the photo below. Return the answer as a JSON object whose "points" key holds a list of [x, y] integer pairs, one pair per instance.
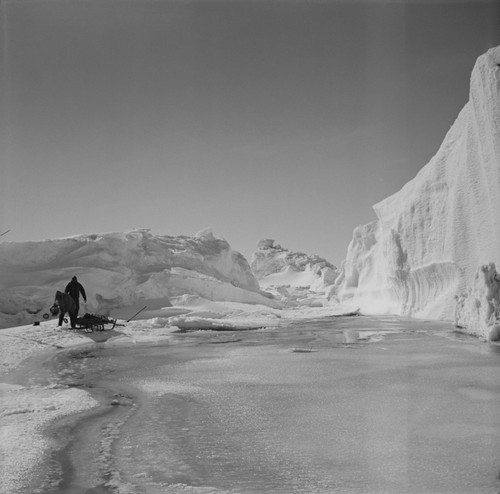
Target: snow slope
{"points": [[122, 270], [434, 240], [294, 277]]}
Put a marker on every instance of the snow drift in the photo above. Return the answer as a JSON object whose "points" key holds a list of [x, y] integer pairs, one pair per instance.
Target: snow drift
{"points": [[433, 249], [122, 270], [294, 277]]}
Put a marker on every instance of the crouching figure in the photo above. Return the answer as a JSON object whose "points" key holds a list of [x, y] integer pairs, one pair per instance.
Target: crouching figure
{"points": [[66, 304]]}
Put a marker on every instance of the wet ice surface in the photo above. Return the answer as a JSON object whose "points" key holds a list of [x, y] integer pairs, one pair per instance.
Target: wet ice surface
{"points": [[350, 405]]}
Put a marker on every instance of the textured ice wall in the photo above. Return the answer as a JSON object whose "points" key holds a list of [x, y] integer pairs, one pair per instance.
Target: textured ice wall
{"points": [[478, 308], [433, 236]]}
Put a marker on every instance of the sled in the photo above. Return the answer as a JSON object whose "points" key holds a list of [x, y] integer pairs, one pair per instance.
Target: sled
{"points": [[94, 322]]}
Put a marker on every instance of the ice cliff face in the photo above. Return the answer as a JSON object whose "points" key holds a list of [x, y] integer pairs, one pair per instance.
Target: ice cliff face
{"points": [[429, 252], [119, 270], [294, 277]]}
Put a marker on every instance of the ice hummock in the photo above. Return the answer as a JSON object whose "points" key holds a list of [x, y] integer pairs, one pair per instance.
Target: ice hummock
{"points": [[295, 278], [122, 270]]}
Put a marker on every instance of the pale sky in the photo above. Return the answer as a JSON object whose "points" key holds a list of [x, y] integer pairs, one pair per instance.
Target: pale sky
{"points": [[259, 119]]}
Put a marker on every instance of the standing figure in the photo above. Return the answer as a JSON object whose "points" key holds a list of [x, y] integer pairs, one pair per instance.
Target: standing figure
{"points": [[65, 303], [74, 288]]}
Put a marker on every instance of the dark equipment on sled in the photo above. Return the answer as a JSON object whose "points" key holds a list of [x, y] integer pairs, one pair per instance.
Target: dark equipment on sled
{"points": [[93, 322]]}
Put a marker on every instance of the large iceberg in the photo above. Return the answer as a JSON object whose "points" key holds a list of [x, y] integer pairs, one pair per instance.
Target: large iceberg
{"points": [[122, 270], [433, 250]]}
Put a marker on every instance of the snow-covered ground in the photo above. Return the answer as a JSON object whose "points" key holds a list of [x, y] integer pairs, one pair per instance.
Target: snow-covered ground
{"points": [[171, 283], [27, 410]]}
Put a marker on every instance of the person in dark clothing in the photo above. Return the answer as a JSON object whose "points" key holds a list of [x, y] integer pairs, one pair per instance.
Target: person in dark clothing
{"points": [[65, 303], [74, 288]]}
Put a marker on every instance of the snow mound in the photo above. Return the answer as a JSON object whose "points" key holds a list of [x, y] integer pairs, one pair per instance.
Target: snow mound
{"points": [[118, 270], [294, 277], [423, 252], [25, 413]]}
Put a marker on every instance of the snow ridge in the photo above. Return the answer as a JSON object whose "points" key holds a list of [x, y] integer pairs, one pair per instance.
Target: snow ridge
{"points": [[120, 270]]}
